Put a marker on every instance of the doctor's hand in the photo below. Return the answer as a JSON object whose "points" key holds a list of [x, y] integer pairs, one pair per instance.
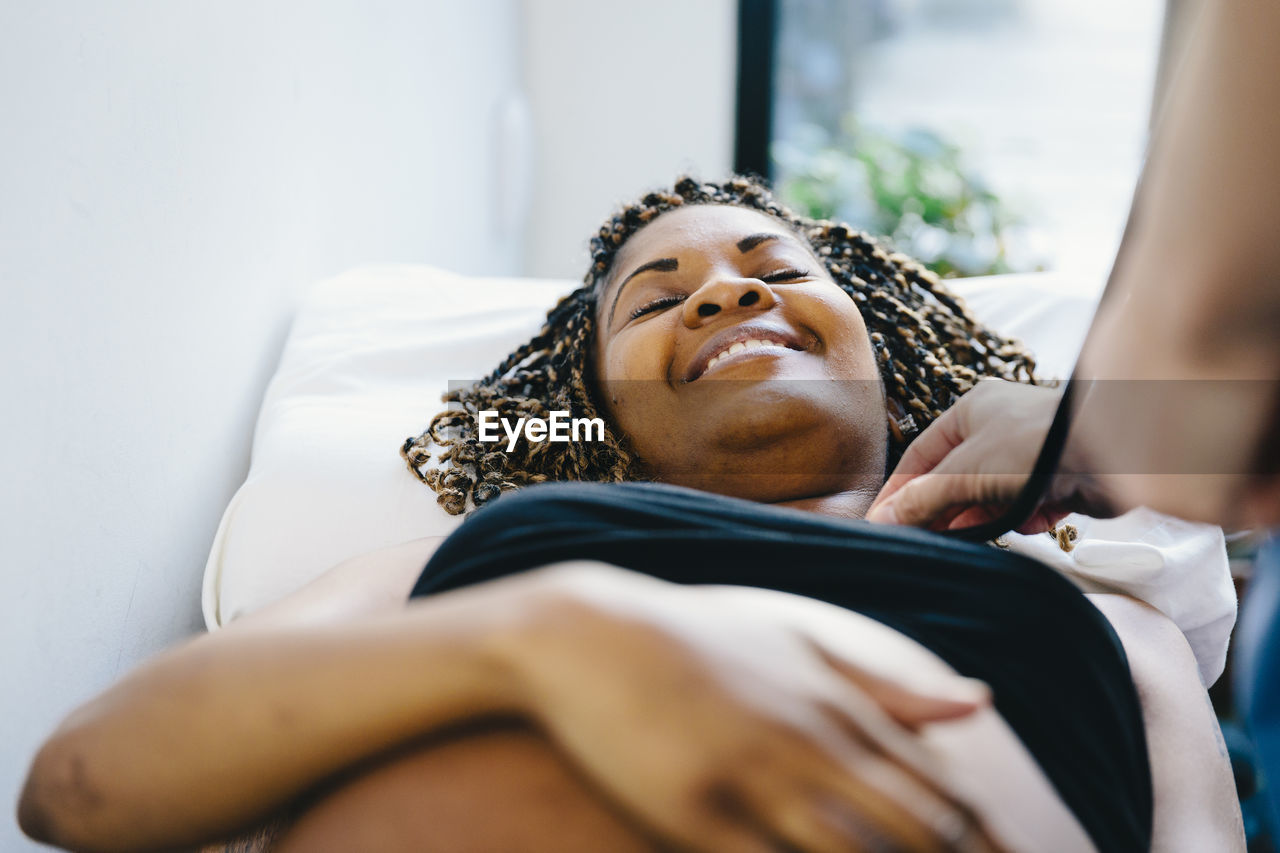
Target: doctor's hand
{"points": [[970, 464], [722, 729]]}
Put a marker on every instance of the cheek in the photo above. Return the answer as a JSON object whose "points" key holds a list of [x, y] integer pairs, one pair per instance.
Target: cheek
{"points": [[849, 345], [634, 355], [631, 374]]}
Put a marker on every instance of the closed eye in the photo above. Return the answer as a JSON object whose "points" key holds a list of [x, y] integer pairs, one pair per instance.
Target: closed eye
{"points": [[667, 301], [655, 305], [783, 275]]}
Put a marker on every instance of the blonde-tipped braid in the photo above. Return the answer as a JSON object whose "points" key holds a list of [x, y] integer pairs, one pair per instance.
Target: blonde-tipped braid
{"points": [[929, 348]]}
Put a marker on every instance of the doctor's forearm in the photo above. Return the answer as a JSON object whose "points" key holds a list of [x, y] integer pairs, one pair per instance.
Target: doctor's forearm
{"points": [[1194, 303], [1202, 255]]}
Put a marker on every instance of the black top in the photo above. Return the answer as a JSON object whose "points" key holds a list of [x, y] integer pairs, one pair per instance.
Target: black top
{"points": [[1057, 671]]}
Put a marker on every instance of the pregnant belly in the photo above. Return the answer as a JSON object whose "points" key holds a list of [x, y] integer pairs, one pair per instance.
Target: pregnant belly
{"points": [[505, 787], [500, 787]]}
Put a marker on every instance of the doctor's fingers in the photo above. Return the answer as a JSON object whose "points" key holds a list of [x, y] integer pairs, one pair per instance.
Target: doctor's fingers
{"points": [[924, 453], [978, 473]]}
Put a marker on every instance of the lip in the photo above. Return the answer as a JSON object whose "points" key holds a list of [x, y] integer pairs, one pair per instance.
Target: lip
{"points": [[738, 334]]}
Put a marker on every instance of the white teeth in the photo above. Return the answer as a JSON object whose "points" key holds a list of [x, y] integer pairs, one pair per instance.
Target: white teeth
{"points": [[750, 344]]}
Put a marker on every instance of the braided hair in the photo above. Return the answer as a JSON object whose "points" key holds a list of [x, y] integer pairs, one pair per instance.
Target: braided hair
{"points": [[928, 347]]}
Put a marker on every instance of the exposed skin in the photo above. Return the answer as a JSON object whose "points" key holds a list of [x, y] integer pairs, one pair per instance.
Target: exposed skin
{"points": [[979, 755], [1185, 344], [806, 427], [627, 712], [966, 467]]}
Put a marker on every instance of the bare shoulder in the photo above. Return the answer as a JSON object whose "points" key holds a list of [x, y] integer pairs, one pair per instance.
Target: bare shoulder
{"points": [[1129, 615], [363, 585], [1195, 798]]}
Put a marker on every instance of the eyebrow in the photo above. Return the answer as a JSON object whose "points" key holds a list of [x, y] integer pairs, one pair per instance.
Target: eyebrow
{"points": [[746, 244], [660, 265]]}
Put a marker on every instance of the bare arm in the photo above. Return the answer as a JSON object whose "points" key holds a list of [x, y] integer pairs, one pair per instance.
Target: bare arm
{"points": [[1194, 301], [231, 726], [378, 582], [1196, 296], [226, 729], [1195, 795]]}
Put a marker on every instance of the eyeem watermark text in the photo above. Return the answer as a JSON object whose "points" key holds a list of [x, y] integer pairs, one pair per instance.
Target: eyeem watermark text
{"points": [[558, 427]]}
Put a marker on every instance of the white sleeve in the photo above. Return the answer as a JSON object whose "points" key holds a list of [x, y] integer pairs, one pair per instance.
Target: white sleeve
{"points": [[1178, 567]]}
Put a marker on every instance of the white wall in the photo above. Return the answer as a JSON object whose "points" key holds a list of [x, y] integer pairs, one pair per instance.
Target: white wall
{"points": [[171, 176], [624, 96]]}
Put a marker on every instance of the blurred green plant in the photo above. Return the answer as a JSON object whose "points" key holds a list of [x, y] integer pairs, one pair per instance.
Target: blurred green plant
{"points": [[914, 188]]}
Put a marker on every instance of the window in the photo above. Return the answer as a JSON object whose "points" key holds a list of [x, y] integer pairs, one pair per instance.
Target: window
{"points": [[982, 135]]}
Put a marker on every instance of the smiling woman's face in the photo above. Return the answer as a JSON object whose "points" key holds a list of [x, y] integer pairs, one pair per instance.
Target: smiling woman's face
{"points": [[734, 363]]}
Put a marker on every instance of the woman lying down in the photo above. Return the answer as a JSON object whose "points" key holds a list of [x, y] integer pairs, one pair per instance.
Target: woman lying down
{"points": [[697, 645]]}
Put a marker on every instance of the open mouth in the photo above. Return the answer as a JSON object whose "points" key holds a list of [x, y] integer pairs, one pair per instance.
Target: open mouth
{"points": [[740, 343]]}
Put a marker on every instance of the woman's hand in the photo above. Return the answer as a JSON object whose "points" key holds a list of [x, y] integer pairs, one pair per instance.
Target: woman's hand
{"points": [[972, 462], [725, 731], [722, 729]]}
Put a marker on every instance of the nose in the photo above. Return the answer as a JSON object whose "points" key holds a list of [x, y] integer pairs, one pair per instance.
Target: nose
{"points": [[726, 295]]}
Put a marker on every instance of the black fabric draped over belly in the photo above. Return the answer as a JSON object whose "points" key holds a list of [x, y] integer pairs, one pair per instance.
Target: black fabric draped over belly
{"points": [[1056, 668]]}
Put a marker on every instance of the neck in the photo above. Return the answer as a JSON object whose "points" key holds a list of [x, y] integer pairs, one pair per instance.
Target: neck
{"points": [[851, 503]]}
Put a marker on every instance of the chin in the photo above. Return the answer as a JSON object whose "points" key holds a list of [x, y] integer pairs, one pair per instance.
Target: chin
{"points": [[781, 463], [827, 419], [770, 441]]}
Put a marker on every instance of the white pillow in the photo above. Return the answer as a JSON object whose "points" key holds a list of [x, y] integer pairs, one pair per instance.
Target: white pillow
{"points": [[368, 357]]}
